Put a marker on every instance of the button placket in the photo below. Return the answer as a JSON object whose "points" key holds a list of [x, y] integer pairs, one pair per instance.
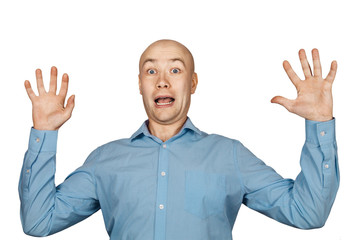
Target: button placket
{"points": [[162, 191]]}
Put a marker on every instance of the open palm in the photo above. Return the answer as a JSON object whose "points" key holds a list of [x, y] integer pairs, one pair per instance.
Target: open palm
{"points": [[314, 97], [48, 111]]}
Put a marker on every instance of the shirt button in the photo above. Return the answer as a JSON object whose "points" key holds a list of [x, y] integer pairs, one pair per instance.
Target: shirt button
{"points": [[37, 139], [161, 206], [27, 171], [163, 174], [326, 165], [164, 145], [322, 133]]}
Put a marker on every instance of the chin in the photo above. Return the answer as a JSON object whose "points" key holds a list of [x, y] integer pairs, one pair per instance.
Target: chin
{"points": [[166, 119], [166, 116]]}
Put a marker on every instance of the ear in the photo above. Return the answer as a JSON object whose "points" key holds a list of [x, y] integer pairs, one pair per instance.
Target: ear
{"points": [[194, 82], [139, 84]]}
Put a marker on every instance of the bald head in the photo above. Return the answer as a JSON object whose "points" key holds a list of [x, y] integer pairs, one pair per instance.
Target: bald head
{"points": [[167, 46], [166, 82]]}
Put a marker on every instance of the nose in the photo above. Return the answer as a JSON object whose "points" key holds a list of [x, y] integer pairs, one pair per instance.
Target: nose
{"points": [[162, 82]]}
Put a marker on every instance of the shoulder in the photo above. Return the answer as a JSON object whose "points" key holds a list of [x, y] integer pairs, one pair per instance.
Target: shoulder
{"points": [[220, 140], [108, 149], [115, 144]]}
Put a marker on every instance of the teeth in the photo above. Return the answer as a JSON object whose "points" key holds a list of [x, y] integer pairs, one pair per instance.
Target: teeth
{"points": [[161, 104]]}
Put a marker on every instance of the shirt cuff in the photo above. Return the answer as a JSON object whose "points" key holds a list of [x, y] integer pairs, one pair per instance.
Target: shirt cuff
{"points": [[43, 140], [320, 133]]}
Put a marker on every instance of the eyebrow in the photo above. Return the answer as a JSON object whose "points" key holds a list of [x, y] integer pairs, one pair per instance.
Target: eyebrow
{"points": [[172, 59]]}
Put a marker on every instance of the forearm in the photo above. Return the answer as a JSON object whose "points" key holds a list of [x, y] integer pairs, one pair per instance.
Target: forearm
{"points": [[46, 209], [36, 187], [316, 186], [305, 202]]}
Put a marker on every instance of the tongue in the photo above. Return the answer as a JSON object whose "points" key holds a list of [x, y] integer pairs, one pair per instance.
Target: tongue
{"points": [[164, 100]]}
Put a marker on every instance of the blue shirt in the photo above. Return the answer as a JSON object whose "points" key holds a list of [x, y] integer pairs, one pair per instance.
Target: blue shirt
{"points": [[189, 187]]}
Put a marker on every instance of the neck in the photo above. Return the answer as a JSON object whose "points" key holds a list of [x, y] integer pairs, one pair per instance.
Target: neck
{"points": [[165, 132]]}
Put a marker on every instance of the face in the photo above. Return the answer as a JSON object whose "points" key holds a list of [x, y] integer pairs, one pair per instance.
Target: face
{"points": [[166, 81]]}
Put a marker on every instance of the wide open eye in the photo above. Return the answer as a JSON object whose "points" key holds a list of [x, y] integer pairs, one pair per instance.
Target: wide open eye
{"points": [[151, 71], [175, 70]]}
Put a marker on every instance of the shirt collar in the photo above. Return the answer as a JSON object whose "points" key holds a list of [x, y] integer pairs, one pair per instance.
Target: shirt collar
{"points": [[143, 130]]}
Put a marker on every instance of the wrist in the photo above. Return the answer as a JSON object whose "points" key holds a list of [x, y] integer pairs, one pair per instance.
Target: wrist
{"points": [[320, 118], [43, 140], [319, 133], [44, 127]]}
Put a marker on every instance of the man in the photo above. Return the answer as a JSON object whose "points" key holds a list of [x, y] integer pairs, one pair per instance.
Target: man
{"points": [[169, 180]]}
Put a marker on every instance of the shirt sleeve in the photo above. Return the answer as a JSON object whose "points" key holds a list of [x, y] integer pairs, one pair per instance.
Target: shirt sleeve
{"points": [[46, 209], [307, 201]]}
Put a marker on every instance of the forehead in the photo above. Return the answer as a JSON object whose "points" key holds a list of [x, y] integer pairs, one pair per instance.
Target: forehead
{"points": [[167, 52]]}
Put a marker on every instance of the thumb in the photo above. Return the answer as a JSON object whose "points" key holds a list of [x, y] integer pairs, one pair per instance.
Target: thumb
{"points": [[286, 103], [70, 106]]}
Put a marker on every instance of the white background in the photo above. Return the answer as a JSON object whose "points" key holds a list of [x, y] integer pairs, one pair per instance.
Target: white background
{"points": [[238, 47]]}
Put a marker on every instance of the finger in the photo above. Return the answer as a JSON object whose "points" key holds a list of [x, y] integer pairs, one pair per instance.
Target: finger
{"points": [[29, 90], [304, 63], [39, 81], [64, 85], [53, 79], [69, 106], [286, 103], [316, 62], [291, 73], [331, 76]]}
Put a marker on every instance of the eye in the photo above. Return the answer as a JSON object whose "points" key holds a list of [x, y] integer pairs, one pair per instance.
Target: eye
{"points": [[151, 71], [175, 70]]}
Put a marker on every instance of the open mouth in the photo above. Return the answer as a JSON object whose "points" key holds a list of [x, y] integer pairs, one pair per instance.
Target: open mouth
{"points": [[163, 101]]}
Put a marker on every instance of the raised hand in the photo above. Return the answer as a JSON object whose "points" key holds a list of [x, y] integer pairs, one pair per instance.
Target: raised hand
{"points": [[314, 98], [48, 110]]}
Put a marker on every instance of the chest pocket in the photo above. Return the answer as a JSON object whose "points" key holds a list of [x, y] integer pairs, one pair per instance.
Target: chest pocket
{"points": [[204, 193]]}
